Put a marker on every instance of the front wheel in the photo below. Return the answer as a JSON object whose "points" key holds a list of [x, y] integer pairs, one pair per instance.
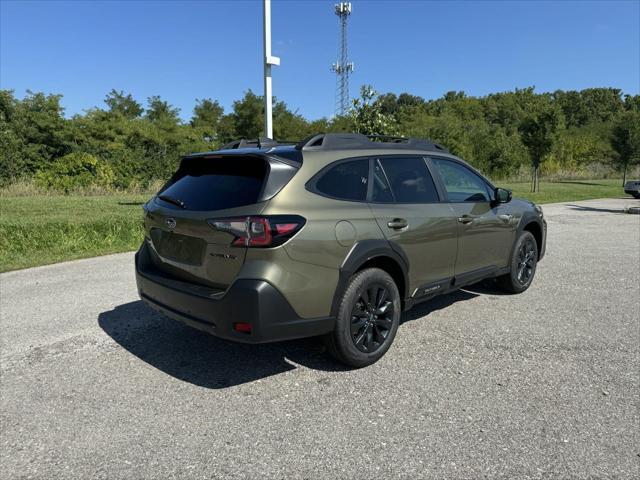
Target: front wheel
{"points": [[524, 261], [368, 318]]}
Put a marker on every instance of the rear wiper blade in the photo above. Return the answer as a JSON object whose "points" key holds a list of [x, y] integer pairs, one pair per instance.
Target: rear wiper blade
{"points": [[175, 201]]}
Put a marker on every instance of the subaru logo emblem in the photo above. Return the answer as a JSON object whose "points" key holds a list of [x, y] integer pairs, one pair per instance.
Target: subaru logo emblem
{"points": [[171, 223]]}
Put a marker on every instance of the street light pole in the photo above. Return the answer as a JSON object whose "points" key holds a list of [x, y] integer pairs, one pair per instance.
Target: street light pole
{"points": [[268, 62]]}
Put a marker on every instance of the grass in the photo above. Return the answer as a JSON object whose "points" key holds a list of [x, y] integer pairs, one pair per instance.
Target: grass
{"points": [[567, 191], [42, 229]]}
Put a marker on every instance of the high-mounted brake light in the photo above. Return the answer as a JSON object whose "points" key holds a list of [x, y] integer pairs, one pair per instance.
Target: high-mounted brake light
{"points": [[263, 232]]}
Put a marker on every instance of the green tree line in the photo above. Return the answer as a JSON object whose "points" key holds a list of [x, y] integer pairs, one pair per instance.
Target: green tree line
{"points": [[126, 143]]}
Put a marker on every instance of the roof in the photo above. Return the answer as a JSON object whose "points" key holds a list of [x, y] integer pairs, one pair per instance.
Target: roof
{"points": [[292, 151], [358, 141]]}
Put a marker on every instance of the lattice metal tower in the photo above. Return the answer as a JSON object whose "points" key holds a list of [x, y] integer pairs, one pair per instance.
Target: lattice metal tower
{"points": [[343, 67]]}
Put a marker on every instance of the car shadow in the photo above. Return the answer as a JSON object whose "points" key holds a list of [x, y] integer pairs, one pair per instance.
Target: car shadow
{"points": [[204, 360], [591, 184], [437, 303], [585, 208], [486, 287]]}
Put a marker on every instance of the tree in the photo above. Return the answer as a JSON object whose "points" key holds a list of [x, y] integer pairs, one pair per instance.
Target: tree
{"points": [[288, 125], [446, 130], [248, 116], [340, 124], [160, 111], [206, 117], [226, 129], [601, 104], [591, 105], [368, 116], [625, 140], [122, 104], [11, 146], [34, 132], [509, 109], [538, 134], [247, 121], [498, 133], [632, 102], [495, 151], [389, 103], [577, 148]]}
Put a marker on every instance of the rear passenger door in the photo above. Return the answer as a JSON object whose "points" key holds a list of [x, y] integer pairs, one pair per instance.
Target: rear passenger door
{"points": [[407, 207], [486, 230]]}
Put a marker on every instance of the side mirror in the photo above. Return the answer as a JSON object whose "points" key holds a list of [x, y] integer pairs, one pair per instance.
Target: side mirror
{"points": [[503, 195]]}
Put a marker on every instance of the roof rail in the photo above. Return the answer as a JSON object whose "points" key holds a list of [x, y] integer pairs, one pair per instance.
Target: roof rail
{"points": [[261, 142], [354, 141]]}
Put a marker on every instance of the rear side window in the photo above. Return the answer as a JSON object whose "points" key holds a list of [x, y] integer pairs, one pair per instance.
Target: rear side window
{"points": [[462, 184], [215, 184], [408, 178], [345, 181]]}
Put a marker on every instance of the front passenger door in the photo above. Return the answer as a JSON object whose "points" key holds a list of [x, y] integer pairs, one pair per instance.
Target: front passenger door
{"points": [[485, 230]]}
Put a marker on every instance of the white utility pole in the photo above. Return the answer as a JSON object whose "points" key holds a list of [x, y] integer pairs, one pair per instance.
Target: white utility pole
{"points": [[268, 62]]}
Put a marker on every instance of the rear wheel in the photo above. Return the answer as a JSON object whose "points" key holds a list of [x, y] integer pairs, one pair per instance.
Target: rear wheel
{"points": [[524, 260], [368, 318]]}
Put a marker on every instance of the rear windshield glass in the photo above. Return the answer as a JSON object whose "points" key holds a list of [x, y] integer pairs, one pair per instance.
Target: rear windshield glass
{"points": [[215, 184]]}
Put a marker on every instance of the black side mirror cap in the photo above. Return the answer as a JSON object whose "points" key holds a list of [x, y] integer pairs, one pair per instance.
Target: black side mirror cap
{"points": [[502, 195]]}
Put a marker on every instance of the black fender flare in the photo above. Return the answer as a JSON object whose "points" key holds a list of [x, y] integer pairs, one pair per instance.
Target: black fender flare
{"points": [[362, 252], [526, 219]]}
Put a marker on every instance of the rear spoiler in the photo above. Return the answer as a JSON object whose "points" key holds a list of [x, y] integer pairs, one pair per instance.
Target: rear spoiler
{"points": [[288, 154]]}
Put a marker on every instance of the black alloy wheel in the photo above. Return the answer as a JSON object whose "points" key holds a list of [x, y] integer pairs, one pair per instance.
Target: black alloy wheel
{"points": [[523, 263], [526, 261], [367, 320], [371, 318]]}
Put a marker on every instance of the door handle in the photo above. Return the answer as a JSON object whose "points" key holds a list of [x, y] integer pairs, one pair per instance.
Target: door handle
{"points": [[505, 218], [397, 223], [466, 219]]}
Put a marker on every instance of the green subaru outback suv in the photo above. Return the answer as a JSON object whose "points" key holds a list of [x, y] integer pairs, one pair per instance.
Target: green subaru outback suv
{"points": [[334, 236]]}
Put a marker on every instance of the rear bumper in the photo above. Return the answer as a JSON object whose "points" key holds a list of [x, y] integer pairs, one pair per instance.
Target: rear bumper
{"points": [[256, 302]]}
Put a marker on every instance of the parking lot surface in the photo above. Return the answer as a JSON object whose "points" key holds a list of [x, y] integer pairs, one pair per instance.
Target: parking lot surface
{"points": [[477, 384]]}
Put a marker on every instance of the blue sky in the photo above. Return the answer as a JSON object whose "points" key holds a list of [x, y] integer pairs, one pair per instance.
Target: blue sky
{"points": [[183, 50]]}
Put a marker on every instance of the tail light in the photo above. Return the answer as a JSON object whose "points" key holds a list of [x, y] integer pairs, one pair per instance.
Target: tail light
{"points": [[268, 231]]}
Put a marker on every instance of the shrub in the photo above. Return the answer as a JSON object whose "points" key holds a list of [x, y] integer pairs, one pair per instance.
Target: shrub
{"points": [[76, 171]]}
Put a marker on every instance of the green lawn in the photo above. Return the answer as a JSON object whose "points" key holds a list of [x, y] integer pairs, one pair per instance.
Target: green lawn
{"points": [[568, 191], [46, 229]]}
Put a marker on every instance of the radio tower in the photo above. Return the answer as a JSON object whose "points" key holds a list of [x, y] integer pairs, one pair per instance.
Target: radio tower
{"points": [[343, 67]]}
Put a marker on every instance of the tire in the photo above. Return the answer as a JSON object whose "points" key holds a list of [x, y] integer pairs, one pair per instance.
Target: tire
{"points": [[636, 195], [368, 319], [524, 260]]}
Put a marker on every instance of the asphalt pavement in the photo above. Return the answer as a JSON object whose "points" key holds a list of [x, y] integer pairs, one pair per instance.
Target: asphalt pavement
{"points": [[477, 384]]}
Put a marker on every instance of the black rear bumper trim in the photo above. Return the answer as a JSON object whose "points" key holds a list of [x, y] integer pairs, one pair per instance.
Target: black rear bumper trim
{"points": [[162, 306], [252, 301]]}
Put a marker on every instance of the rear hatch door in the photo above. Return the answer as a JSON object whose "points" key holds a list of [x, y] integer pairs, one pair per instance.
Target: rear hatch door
{"points": [[177, 220]]}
